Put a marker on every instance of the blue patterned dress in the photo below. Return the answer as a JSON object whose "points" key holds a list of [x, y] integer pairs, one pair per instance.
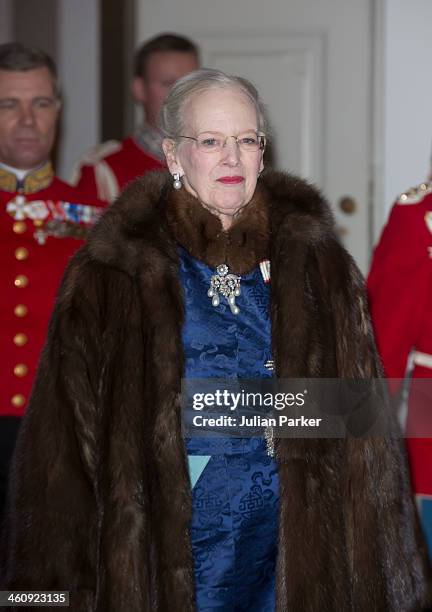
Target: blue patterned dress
{"points": [[235, 483]]}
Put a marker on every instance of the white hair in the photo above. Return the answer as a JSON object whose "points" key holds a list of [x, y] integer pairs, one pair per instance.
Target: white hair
{"points": [[172, 111]]}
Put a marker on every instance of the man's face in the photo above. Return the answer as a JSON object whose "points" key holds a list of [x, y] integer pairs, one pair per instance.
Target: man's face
{"points": [[163, 70], [28, 117]]}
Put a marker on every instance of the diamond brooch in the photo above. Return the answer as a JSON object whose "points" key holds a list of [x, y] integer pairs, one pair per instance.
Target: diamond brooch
{"points": [[225, 284]]}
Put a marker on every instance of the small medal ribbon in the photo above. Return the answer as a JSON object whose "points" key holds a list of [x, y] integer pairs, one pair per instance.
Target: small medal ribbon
{"points": [[265, 270], [21, 209]]}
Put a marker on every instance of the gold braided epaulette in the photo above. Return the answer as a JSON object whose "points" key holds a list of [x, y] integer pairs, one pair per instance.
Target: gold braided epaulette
{"points": [[415, 194]]}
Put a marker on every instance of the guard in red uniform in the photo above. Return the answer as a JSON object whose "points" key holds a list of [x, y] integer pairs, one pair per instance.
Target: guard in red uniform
{"points": [[400, 293], [42, 223], [105, 170]]}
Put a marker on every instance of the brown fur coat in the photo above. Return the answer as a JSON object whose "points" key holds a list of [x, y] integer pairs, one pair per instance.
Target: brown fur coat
{"points": [[100, 499]]}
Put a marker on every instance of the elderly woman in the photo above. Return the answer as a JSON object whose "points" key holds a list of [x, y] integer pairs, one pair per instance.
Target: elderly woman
{"points": [[108, 500]]}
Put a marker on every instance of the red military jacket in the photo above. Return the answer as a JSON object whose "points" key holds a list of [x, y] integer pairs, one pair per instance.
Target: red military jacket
{"points": [[400, 298], [110, 173], [42, 223]]}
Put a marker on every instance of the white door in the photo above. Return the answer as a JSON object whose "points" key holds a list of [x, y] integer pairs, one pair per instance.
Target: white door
{"points": [[311, 62]]}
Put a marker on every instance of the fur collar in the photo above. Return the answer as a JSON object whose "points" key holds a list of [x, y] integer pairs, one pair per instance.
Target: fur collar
{"points": [[150, 210], [200, 232]]}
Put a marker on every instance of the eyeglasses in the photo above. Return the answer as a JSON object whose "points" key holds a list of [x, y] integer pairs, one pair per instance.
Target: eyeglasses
{"points": [[214, 142]]}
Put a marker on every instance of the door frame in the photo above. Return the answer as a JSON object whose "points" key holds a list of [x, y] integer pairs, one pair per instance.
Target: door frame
{"points": [[377, 206]]}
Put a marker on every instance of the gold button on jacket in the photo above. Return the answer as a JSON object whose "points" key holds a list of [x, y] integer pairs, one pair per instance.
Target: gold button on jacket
{"points": [[19, 227], [18, 400], [20, 370], [20, 339], [20, 310], [21, 281], [21, 253]]}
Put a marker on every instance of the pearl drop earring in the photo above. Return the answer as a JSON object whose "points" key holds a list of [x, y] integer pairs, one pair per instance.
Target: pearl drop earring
{"points": [[177, 182]]}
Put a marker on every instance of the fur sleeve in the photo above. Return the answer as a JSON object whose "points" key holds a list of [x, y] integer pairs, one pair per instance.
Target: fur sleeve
{"points": [[394, 562], [52, 501]]}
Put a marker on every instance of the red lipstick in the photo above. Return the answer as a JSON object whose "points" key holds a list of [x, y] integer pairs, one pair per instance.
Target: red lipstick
{"points": [[230, 180]]}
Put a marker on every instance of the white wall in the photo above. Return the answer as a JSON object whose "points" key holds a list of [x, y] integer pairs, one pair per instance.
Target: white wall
{"points": [[78, 67], [407, 97]]}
